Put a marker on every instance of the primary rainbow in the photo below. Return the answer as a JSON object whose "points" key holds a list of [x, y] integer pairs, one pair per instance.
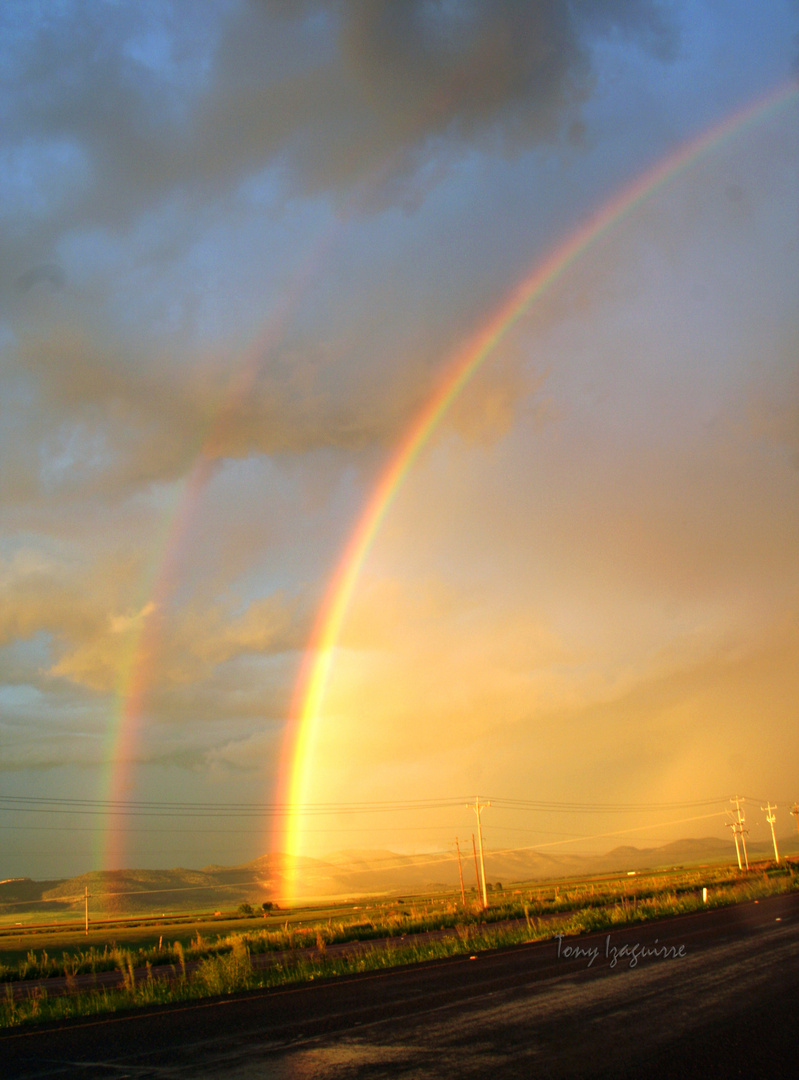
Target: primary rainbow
{"points": [[318, 658], [143, 639]]}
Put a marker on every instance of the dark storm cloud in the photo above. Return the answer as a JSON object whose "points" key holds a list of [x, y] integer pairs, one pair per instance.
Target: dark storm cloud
{"points": [[118, 111], [110, 419], [181, 98]]}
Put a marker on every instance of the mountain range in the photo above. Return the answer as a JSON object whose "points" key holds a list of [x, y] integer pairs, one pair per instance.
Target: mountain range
{"points": [[344, 874]]}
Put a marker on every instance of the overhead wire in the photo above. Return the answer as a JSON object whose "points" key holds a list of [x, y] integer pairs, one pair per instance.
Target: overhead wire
{"points": [[133, 807], [220, 811]]}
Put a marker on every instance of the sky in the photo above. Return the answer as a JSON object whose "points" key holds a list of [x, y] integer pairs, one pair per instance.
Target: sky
{"points": [[241, 245]]}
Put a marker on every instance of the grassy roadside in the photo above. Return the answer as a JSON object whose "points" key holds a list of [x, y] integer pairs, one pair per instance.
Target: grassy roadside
{"points": [[226, 966], [66, 955]]}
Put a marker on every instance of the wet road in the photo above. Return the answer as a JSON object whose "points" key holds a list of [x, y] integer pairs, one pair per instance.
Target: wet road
{"points": [[718, 996]]}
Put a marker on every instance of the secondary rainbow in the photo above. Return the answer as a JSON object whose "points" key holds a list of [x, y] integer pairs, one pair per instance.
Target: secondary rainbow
{"points": [[319, 655], [144, 636]]}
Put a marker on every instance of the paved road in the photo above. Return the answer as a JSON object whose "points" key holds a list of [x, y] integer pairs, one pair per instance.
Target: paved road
{"points": [[718, 998]]}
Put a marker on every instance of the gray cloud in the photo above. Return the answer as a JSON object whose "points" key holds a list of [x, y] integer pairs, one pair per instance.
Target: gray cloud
{"points": [[109, 420], [117, 112], [45, 274], [180, 99]]}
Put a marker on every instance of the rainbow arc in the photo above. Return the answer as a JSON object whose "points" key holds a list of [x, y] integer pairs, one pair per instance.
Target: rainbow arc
{"points": [[299, 747]]}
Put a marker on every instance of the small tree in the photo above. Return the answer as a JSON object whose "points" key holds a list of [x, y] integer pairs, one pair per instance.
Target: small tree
{"points": [[246, 909]]}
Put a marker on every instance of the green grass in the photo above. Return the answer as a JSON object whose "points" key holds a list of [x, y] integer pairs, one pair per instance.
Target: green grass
{"points": [[225, 965], [69, 955]]}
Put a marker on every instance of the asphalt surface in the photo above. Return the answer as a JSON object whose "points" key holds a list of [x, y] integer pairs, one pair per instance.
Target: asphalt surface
{"points": [[717, 996]]}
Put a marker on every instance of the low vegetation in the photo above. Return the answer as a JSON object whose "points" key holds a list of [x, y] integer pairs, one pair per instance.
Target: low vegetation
{"points": [[231, 963]]}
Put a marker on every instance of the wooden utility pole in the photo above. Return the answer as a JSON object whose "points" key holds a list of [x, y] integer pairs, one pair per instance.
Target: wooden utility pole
{"points": [[795, 812], [732, 825], [771, 819], [739, 830], [478, 808], [86, 908], [476, 868], [460, 872]]}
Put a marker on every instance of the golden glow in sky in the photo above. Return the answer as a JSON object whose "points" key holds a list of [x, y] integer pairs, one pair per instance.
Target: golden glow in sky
{"points": [[243, 247]]}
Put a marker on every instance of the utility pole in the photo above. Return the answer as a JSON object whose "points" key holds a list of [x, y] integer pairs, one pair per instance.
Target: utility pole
{"points": [[460, 872], [743, 832], [86, 908], [795, 812], [739, 830], [771, 819], [732, 825], [476, 868], [478, 808]]}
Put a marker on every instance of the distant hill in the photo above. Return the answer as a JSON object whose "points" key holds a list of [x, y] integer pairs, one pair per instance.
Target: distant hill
{"points": [[353, 873], [349, 873], [15, 893], [360, 871]]}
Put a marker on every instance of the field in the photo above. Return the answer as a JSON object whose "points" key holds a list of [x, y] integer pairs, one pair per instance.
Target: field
{"points": [[162, 960], [138, 932]]}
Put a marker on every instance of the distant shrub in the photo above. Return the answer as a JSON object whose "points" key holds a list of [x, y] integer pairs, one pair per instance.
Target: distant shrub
{"points": [[246, 909]]}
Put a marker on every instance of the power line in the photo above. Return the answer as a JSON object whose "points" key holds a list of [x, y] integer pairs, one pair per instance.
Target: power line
{"points": [[140, 807], [109, 808], [138, 830], [602, 808], [191, 811]]}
